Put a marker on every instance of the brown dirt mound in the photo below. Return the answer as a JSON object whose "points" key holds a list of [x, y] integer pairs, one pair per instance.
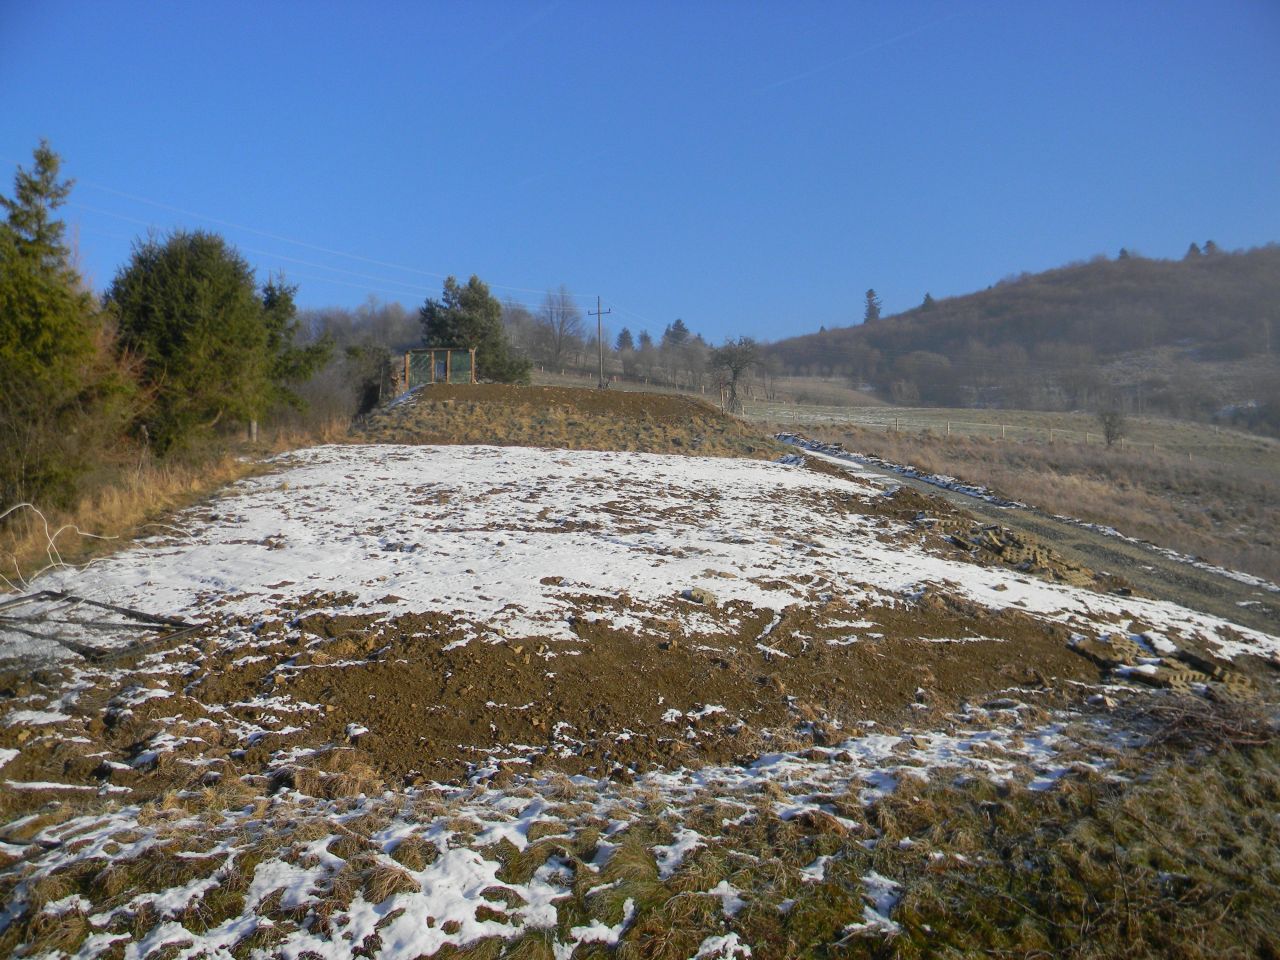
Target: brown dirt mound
{"points": [[343, 703], [565, 417]]}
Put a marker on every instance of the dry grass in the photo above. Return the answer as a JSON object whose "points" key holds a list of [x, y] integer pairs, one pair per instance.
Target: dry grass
{"points": [[1229, 517], [123, 503], [1177, 857]]}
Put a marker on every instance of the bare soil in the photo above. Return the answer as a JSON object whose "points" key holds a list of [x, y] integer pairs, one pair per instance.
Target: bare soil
{"points": [[305, 695], [565, 417], [399, 697]]}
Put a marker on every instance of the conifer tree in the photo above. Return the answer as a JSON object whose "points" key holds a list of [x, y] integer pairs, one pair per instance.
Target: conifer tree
{"points": [[214, 350], [470, 316], [624, 341], [43, 331], [872, 311], [676, 334], [65, 398]]}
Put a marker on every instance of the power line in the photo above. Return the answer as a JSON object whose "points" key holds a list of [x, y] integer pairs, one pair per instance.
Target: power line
{"points": [[284, 239], [599, 315], [137, 198]]}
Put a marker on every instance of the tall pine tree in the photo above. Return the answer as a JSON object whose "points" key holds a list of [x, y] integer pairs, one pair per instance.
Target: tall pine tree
{"points": [[872, 309]]}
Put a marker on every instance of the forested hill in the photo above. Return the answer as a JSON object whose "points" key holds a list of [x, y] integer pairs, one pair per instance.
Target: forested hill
{"points": [[1048, 336]]}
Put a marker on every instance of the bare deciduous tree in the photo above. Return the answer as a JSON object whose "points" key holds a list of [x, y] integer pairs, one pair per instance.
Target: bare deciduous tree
{"points": [[561, 321], [1113, 421], [734, 360]]}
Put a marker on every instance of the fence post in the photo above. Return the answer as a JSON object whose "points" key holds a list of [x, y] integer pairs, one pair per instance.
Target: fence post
{"points": [[1003, 434], [948, 428]]}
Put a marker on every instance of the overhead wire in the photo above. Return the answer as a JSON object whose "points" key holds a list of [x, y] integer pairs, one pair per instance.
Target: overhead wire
{"points": [[407, 286]]}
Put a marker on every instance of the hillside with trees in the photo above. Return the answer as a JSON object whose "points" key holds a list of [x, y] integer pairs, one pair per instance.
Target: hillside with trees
{"points": [[1184, 337]]}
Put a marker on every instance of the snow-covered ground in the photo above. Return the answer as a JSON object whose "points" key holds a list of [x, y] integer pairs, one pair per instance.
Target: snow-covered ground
{"points": [[475, 531], [508, 540]]}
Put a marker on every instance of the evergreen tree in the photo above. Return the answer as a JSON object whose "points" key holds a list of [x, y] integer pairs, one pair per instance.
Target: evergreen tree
{"points": [[43, 331], [65, 399], [291, 364], [1193, 252], [928, 303], [872, 311], [214, 350], [676, 334], [1211, 248], [1124, 254], [646, 341], [470, 316], [624, 341]]}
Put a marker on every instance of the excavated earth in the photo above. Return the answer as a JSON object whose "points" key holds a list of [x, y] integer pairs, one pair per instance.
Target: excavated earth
{"points": [[335, 695], [564, 417]]}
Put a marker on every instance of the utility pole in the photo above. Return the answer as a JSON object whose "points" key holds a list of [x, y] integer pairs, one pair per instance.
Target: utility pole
{"points": [[599, 315]]}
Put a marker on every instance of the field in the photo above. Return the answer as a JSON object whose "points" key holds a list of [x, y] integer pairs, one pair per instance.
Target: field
{"points": [[466, 699], [1179, 439]]}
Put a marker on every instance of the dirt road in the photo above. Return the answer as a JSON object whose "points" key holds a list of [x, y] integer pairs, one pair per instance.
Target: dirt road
{"points": [[1150, 571]]}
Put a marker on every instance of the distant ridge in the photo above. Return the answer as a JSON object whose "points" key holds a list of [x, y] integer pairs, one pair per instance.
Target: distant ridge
{"points": [[1129, 326]]}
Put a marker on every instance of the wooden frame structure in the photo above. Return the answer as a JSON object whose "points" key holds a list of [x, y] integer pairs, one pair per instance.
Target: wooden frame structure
{"points": [[439, 365]]}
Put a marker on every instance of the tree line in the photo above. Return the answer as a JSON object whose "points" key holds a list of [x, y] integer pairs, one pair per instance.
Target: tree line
{"points": [[187, 346]]}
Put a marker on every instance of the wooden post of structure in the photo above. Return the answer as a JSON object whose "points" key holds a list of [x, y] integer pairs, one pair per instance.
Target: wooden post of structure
{"points": [[448, 366], [473, 364], [405, 382]]}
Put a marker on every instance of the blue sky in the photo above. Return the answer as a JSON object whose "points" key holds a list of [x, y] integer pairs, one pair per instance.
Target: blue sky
{"points": [[749, 167]]}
